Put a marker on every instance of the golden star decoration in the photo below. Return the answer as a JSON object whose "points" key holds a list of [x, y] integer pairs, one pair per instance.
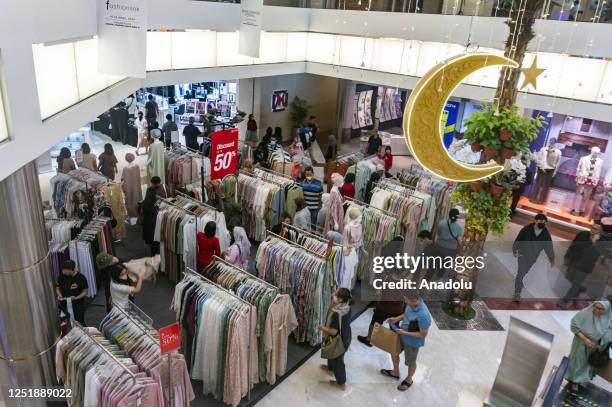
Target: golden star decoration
{"points": [[531, 74]]}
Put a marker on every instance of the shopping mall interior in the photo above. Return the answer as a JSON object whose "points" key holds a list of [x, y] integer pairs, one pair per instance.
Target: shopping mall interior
{"points": [[202, 203]]}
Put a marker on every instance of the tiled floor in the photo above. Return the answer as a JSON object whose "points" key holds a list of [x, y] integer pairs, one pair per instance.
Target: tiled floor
{"points": [[456, 368]]}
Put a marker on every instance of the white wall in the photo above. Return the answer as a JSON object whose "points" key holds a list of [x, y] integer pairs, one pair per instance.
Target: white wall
{"points": [[319, 91]]}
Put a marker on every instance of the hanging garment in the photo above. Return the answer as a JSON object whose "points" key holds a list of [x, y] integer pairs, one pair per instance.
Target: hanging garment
{"points": [[155, 162]]}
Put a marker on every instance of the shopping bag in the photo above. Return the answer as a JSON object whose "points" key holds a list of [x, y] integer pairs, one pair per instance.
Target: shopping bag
{"points": [[385, 339]]}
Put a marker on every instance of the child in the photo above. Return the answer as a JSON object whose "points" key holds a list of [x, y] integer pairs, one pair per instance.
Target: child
{"points": [[388, 157]]}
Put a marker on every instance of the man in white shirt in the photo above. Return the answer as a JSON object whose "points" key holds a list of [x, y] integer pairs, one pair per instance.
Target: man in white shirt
{"points": [[548, 161]]}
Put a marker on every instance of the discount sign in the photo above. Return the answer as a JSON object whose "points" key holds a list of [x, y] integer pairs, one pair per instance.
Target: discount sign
{"points": [[169, 338], [223, 153]]}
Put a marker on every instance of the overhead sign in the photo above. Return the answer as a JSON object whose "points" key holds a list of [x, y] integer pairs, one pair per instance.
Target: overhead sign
{"points": [[169, 338], [280, 100], [122, 37], [250, 27], [223, 153]]}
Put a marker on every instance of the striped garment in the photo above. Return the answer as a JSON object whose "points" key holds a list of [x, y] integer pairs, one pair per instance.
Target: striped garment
{"points": [[312, 193]]}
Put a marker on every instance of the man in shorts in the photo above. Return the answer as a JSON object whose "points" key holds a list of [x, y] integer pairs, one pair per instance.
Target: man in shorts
{"points": [[412, 327]]}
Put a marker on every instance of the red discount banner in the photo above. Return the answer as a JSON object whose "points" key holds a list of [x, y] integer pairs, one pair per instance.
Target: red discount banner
{"points": [[223, 153], [169, 338]]}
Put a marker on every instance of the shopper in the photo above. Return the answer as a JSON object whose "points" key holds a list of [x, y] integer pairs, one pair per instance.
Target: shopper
{"points": [[449, 234], [88, 159], [413, 329], [141, 126], [529, 243], [208, 245], [122, 287], [191, 132], [374, 179], [348, 188], [132, 189], [302, 218], [105, 263], [338, 323], [151, 110], [279, 228], [580, 260], [107, 162], [65, 163], [155, 159], [149, 214], [388, 157], [123, 116], [374, 143], [331, 152], [239, 253], [261, 152], [170, 130], [71, 290], [518, 190], [429, 249], [273, 146], [313, 124], [592, 329], [251, 133], [387, 307], [313, 189], [323, 211]]}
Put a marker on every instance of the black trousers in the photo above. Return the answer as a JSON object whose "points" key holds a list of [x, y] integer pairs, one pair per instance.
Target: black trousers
{"points": [[516, 197], [154, 248], [337, 366], [123, 133], [524, 265], [78, 308]]}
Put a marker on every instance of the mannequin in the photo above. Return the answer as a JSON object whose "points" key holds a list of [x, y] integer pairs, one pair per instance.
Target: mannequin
{"points": [[587, 177], [155, 161], [131, 187], [352, 240], [334, 220], [548, 160]]}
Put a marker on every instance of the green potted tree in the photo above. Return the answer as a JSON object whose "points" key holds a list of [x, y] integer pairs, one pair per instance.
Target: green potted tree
{"points": [[492, 211], [298, 111]]}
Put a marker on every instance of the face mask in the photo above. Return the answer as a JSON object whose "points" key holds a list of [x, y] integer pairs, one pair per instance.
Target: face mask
{"points": [[273, 142], [540, 225], [309, 178]]}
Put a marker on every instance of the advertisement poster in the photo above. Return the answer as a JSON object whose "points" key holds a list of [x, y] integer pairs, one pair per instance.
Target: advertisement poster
{"points": [[379, 102], [279, 100], [449, 121], [396, 110], [361, 109], [367, 108], [122, 37], [356, 111], [223, 153], [250, 27]]}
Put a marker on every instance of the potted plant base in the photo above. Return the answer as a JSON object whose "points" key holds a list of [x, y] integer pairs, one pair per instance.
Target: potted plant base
{"points": [[476, 147], [496, 189], [506, 153], [505, 135], [489, 152], [476, 185]]}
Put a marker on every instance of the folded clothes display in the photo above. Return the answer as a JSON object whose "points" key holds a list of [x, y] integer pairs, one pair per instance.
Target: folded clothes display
{"points": [[305, 276], [141, 344], [275, 315], [101, 374], [217, 337]]}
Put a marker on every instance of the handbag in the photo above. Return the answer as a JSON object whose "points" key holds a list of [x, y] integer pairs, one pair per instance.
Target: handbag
{"points": [[332, 346], [454, 237], [385, 339], [600, 358]]}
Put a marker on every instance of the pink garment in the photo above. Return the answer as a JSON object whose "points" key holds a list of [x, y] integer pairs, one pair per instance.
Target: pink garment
{"points": [[233, 257], [132, 189], [335, 214]]}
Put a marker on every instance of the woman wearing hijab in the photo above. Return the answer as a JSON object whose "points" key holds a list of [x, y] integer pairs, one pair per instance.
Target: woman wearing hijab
{"points": [[338, 323], [592, 330], [132, 189], [239, 253], [323, 211]]}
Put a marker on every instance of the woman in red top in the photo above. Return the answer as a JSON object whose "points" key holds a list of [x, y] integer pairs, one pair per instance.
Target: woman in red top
{"points": [[388, 161], [208, 245], [348, 189]]}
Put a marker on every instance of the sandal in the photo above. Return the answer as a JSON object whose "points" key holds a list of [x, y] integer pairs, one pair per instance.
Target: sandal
{"points": [[387, 373], [404, 385]]}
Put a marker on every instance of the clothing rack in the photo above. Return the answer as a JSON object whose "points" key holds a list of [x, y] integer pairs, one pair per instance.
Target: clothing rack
{"points": [[197, 154], [108, 353], [262, 179], [205, 205], [270, 233], [313, 235], [388, 185], [276, 173], [273, 174], [205, 280], [360, 203], [253, 276], [187, 211], [138, 325]]}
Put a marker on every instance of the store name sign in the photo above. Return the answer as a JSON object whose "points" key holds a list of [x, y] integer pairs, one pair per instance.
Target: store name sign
{"points": [[280, 100], [424, 112]]}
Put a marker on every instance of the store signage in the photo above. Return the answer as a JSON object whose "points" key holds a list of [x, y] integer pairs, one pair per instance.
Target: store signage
{"points": [[250, 27], [169, 338], [223, 153], [280, 100], [556, 200], [449, 121], [122, 37]]}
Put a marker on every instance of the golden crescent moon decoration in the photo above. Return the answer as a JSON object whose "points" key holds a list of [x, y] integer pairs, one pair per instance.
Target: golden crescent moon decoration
{"points": [[423, 114]]}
